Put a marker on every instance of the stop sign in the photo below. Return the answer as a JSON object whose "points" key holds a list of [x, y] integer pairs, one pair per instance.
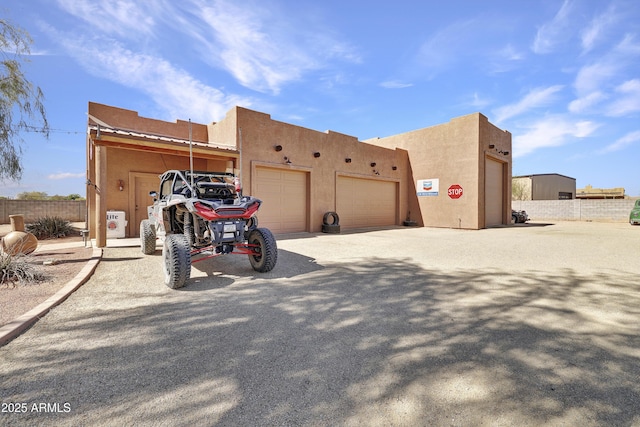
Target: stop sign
{"points": [[455, 191]]}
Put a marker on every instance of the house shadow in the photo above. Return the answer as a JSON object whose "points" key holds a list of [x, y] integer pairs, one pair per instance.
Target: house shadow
{"points": [[224, 270], [338, 344]]}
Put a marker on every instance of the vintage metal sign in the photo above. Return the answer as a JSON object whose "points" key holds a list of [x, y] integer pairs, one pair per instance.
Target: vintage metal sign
{"points": [[428, 187]]}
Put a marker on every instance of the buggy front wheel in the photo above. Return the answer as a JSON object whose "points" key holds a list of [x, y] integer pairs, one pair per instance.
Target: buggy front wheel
{"points": [[176, 259], [265, 250]]}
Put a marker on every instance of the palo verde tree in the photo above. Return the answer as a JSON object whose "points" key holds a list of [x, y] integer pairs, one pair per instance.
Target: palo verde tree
{"points": [[21, 103]]}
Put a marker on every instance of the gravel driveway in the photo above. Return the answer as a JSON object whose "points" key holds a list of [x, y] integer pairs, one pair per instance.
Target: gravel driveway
{"points": [[522, 325]]}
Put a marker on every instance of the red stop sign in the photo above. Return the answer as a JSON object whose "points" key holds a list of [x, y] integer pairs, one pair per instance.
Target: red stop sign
{"points": [[455, 191]]}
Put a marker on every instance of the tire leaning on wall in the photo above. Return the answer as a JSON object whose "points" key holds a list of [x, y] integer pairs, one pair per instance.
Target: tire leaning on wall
{"points": [[331, 223]]}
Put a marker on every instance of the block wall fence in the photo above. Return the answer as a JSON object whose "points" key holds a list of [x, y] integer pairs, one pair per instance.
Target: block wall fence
{"points": [[71, 210], [564, 210], [612, 210]]}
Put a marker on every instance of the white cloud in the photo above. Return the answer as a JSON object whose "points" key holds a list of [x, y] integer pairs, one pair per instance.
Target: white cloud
{"points": [[394, 84], [178, 93], [591, 77], [587, 102], [66, 175], [478, 102], [504, 59], [599, 25], [623, 142], [549, 34], [445, 47], [535, 98], [628, 46], [628, 102], [121, 17], [552, 131], [261, 47]]}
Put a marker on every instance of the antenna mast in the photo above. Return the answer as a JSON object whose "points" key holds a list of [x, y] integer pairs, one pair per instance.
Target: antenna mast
{"points": [[191, 154], [240, 160]]}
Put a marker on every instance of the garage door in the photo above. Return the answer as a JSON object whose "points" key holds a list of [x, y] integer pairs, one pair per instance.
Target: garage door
{"points": [[366, 202], [493, 193], [284, 197]]}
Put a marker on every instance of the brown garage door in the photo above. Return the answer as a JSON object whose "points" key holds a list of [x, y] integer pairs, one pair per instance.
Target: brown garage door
{"points": [[493, 193], [366, 202], [284, 199]]}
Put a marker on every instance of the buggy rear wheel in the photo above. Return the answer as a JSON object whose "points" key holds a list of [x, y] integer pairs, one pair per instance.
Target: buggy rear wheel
{"points": [[266, 250], [176, 259], [147, 237]]}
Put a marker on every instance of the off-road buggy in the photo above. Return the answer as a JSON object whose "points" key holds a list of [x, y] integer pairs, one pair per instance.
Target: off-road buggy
{"points": [[200, 215]]}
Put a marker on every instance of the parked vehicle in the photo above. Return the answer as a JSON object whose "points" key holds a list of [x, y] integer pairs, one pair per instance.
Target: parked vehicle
{"points": [[634, 216], [204, 214], [519, 216]]}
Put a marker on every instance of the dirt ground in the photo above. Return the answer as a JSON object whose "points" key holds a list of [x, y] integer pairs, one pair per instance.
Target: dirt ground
{"points": [[16, 299]]}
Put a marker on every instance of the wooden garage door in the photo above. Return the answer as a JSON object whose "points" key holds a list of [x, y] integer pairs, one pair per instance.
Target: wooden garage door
{"points": [[366, 202], [493, 193], [284, 198]]}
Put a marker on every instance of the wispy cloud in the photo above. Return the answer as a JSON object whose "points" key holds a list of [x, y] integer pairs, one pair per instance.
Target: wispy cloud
{"points": [[477, 102], [606, 79], [122, 17], [506, 59], [598, 26], [591, 77], [394, 84], [629, 46], [261, 47], [586, 103], [173, 89], [443, 48], [551, 131], [629, 100], [535, 98], [549, 34], [623, 142], [66, 175]]}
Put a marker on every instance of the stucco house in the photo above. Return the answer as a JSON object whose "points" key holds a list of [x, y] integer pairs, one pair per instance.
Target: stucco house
{"points": [[456, 174]]}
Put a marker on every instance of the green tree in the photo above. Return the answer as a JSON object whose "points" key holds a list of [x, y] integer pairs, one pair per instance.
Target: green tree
{"points": [[32, 195], [21, 103], [519, 190]]}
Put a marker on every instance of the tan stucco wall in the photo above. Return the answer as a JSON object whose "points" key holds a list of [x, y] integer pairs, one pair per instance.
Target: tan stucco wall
{"points": [[121, 162], [260, 134], [491, 135], [454, 153], [130, 120]]}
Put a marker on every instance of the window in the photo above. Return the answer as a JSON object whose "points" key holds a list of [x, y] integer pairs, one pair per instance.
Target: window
{"points": [[565, 196]]}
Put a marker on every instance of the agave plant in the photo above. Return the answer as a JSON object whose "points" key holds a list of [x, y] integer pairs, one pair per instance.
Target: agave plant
{"points": [[16, 268], [50, 227]]}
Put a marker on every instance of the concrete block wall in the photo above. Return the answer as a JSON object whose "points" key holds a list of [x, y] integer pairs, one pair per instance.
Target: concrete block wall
{"points": [[614, 210], [71, 210]]}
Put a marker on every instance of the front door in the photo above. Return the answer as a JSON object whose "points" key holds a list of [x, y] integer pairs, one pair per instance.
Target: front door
{"points": [[143, 183]]}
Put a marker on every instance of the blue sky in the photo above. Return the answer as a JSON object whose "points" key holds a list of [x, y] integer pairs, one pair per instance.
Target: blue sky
{"points": [[562, 76]]}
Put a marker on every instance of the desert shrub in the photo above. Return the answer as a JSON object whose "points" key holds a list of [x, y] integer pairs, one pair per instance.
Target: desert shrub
{"points": [[16, 268], [50, 227]]}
